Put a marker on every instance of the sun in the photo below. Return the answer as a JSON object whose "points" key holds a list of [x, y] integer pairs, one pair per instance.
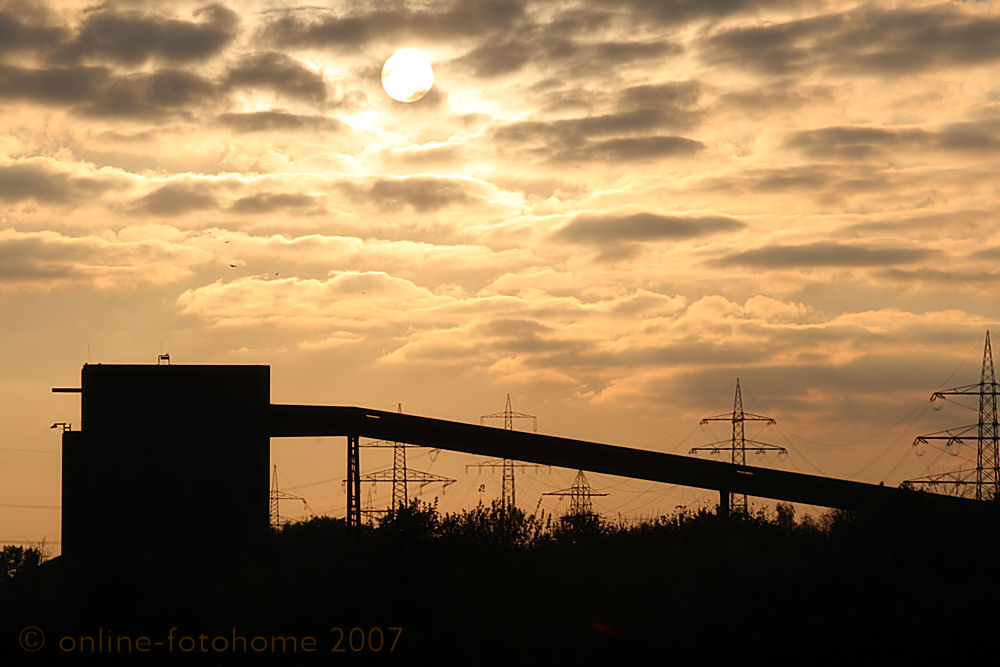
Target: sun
{"points": [[407, 75]]}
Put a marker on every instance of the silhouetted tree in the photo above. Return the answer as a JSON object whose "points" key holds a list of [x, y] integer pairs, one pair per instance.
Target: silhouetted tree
{"points": [[15, 559]]}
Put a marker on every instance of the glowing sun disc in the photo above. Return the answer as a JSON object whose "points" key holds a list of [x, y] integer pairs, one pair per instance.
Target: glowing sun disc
{"points": [[407, 75]]}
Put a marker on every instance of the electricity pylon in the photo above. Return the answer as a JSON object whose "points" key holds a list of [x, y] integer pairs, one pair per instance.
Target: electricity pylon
{"points": [[738, 443], [400, 475], [985, 478], [507, 497], [579, 494], [276, 497]]}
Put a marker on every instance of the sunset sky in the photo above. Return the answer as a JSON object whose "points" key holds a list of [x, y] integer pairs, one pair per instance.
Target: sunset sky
{"points": [[609, 210]]}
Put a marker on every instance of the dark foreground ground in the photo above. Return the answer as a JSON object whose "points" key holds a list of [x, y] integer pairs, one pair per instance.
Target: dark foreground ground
{"points": [[485, 588]]}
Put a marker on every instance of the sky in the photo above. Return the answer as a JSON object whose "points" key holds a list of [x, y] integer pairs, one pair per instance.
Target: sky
{"points": [[609, 210]]}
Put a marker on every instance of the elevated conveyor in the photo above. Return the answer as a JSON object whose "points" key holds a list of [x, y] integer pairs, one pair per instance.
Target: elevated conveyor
{"points": [[310, 420]]}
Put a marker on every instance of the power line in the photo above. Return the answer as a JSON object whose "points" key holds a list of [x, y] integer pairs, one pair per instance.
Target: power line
{"points": [[30, 451]]}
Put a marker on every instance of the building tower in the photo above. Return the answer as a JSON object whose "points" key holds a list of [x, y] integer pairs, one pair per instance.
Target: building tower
{"points": [[985, 478], [738, 444], [507, 495], [579, 494]]}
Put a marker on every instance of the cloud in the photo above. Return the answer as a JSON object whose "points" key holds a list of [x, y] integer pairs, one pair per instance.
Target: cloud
{"points": [[348, 31], [601, 230], [679, 12], [276, 119], [134, 38], [151, 95], [676, 94], [863, 41], [18, 35], [950, 279], [584, 139], [631, 149], [988, 254], [546, 47], [856, 143], [268, 202], [824, 253], [277, 72], [862, 143], [43, 260], [96, 91], [571, 130], [177, 199], [42, 181], [767, 98], [420, 193], [57, 85], [354, 301]]}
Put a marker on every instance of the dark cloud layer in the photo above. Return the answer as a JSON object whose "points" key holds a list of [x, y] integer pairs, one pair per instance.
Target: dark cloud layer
{"points": [[621, 236], [19, 35], [601, 229], [669, 94], [267, 202], [419, 193], [58, 85], [152, 95], [625, 149], [177, 199], [277, 72], [19, 182], [573, 130], [861, 143], [950, 279], [347, 32], [545, 48], [263, 121], [133, 38], [31, 259], [678, 12], [624, 135], [824, 253], [867, 40], [97, 92]]}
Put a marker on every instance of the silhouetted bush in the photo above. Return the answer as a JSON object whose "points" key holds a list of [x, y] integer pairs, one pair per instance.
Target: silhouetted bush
{"points": [[16, 559], [536, 589]]}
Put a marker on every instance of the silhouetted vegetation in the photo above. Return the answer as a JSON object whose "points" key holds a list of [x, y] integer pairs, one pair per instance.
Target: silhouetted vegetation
{"points": [[15, 558], [493, 586]]}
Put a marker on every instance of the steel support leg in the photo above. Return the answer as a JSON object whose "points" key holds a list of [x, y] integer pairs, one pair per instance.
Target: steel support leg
{"points": [[353, 482]]}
